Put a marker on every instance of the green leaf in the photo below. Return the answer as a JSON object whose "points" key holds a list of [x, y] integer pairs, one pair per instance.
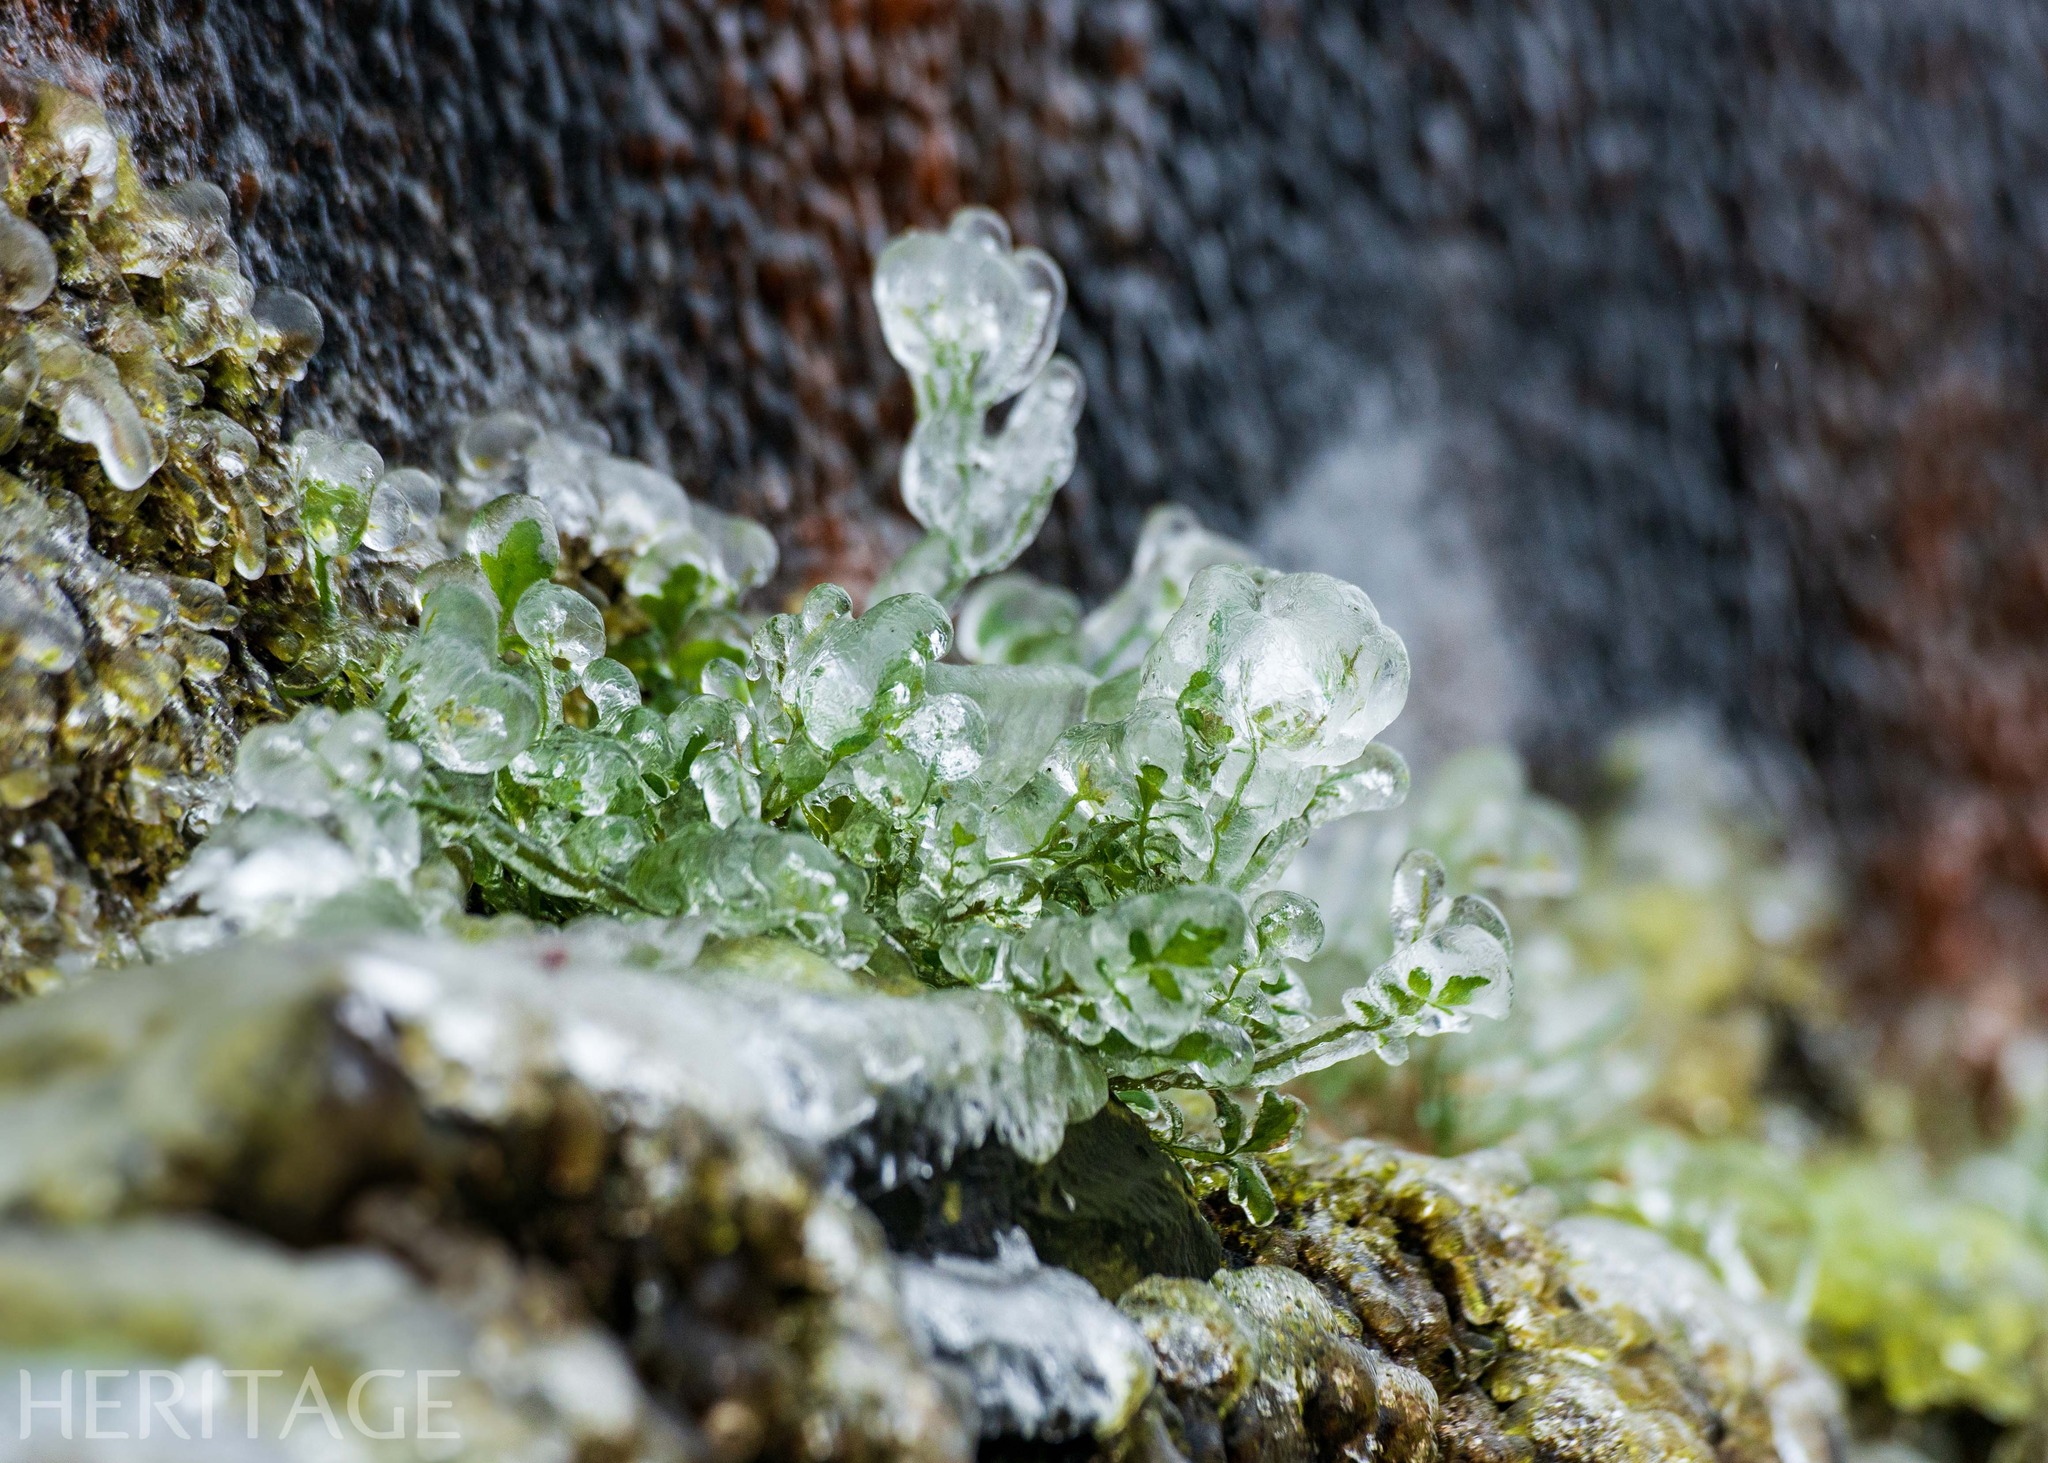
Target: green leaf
{"points": [[1251, 1193], [1462, 988], [1280, 1118], [519, 562], [1193, 945], [1229, 1119]]}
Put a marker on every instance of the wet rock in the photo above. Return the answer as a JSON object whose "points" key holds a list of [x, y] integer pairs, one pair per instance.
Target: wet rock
{"points": [[592, 1119], [1109, 1205]]}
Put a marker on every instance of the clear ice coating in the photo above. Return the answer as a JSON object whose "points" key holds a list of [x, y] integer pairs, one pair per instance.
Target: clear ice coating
{"points": [[1745, 1347], [92, 406], [512, 1380], [1045, 1357], [1173, 548], [28, 267], [975, 322], [336, 478]]}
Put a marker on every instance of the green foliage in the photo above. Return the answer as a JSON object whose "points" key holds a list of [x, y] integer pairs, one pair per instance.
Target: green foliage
{"points": [[1093, 834]]}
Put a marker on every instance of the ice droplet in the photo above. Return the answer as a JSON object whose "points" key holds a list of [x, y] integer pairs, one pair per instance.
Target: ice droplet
{"points": [[456, 602], [1287, 926], [1173, 548], [948, 735], [289, 329], [28, 269], [93, 407], [1297, 666], [1418, 900], [472, 714], [1013, 619], [854, 663], [389, 518], [956, 314], [336, 477], [515, 542], [38, 627], [611, 689], [19, 372], [1372, 782], [75, 132], [490, 447]]}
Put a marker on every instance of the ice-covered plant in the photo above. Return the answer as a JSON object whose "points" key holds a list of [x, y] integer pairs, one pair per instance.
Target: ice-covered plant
{"points": [[975, 323], [1087, 814]]}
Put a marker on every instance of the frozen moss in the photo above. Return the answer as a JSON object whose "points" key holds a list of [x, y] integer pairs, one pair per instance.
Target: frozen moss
{"points": [[157, 577], [1530, 1339]]}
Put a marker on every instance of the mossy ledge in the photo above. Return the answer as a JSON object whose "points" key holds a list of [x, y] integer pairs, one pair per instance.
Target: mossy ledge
{"points": [[156, 579]]}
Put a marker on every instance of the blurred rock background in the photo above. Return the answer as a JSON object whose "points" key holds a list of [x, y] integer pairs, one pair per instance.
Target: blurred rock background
{"points": [[1677, 351]]}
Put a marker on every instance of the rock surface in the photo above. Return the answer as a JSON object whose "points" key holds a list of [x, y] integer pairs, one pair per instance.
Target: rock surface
{"points": [[559, 1169]]}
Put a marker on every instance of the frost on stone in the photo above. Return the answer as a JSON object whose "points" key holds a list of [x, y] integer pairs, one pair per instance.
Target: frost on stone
{"points": [[664, 1102], [1746, 1351], [974, 322], [1044, 1356]]}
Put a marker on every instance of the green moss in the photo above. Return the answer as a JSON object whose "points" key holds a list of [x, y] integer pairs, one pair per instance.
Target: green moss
{"points": [[155, 585]]}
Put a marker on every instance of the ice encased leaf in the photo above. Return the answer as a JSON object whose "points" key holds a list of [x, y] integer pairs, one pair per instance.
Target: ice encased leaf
{"points": [[336, 478], [561, 624], [1297, 666]]}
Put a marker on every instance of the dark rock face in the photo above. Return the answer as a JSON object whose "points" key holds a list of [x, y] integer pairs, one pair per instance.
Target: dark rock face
{"points": [[1110, 1206], [1733, 308]]}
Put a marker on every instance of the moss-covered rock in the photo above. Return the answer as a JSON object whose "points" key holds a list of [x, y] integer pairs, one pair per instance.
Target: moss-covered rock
{"points": [[615, 1129], [158, 568], [1435, 1305], [513, 1368]]}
